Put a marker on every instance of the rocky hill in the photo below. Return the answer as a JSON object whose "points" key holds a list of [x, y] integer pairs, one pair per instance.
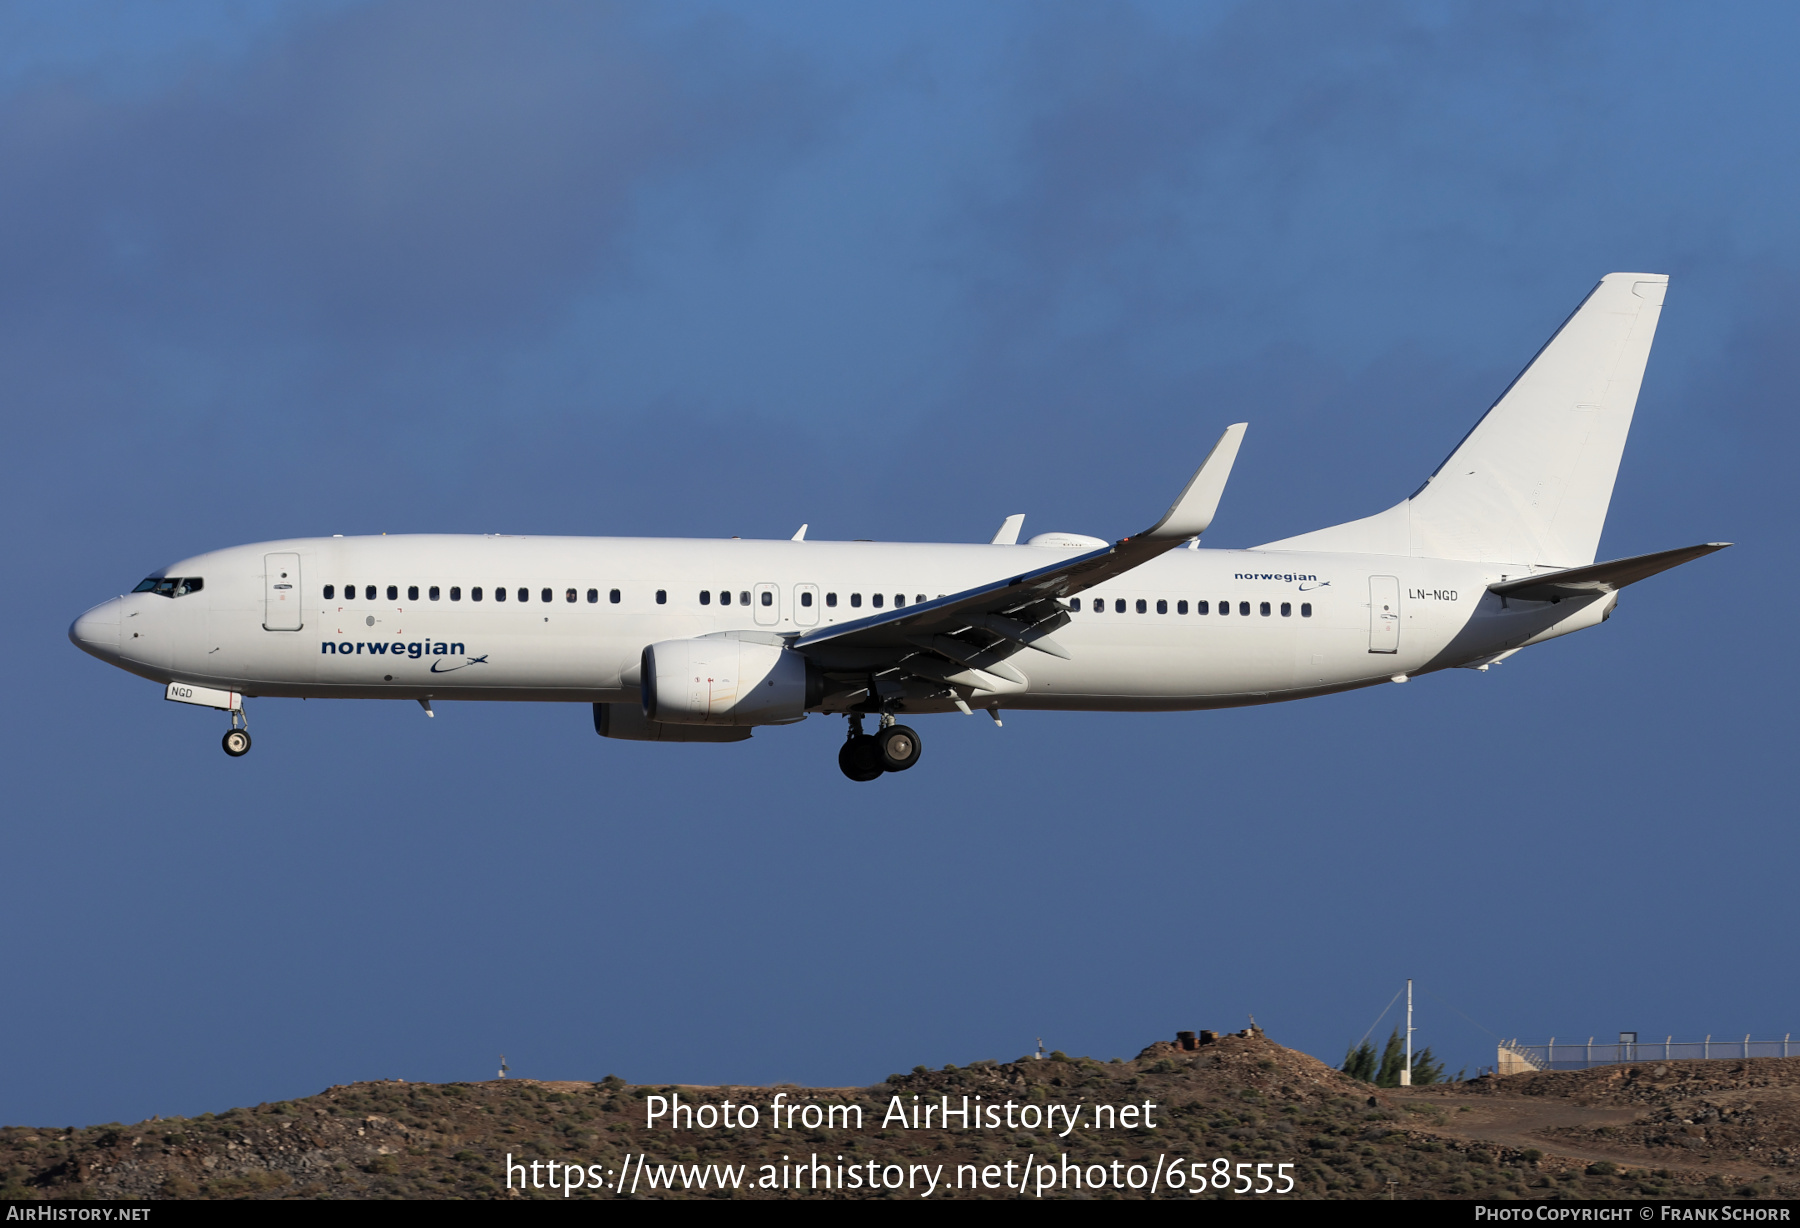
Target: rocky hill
{"points": [[1678, 1129]]}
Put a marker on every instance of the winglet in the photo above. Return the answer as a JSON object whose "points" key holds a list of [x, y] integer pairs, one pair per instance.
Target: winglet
{"points": [[800, 536], [1009, 530], [1193, 511]]}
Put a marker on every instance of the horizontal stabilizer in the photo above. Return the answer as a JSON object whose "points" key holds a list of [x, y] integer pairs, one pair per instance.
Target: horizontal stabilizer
{"points": [[1600, 577]]}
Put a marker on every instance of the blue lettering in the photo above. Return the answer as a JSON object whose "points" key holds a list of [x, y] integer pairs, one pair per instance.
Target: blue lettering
{"points": [[327, 646], [438, 650], [415, 651], [378, 648], [457, 649], [359, 647]]}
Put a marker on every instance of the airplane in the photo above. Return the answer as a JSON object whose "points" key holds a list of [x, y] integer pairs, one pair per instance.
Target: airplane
{"points": [[684, 640]]}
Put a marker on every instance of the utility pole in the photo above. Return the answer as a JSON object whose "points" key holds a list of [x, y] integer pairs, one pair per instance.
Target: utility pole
{"points": [[1406, 1070]]}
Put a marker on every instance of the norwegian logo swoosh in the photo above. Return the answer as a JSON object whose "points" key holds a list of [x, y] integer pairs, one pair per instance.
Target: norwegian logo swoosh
{"points": [[1307, 588], [467, 661]]}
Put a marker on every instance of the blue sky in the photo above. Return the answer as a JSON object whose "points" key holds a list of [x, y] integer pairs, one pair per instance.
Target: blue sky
{"points": [[706, 269]]}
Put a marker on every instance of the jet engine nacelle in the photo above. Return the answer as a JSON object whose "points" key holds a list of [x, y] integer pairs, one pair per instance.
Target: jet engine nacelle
{"points": [[720, 680]]}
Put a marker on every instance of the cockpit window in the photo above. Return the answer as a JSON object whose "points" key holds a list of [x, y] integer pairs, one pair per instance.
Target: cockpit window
{"points": [[171, 586]]}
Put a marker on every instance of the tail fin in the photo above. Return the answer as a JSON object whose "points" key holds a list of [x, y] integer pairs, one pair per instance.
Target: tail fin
{"points": [[1531, 483]]}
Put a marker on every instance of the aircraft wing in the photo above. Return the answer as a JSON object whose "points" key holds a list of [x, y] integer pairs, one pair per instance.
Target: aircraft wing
{"points": [[957, 639], [1601, 577]]}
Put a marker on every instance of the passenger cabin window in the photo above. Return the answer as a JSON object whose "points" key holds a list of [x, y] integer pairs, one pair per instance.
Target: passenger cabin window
{"points": [[593, 596], [1118, 605], [1264, 611], [499, 593], [613, 596], [1181, 607], [393, 592], [705, 597], [1244, 608], [1224, 607], [1306, 609], [569, 596], [1203, 607], [546, 595], [831, 600], [412, 592], [743, 598], [876, 600], [1287, 609], [524, 594], [919, 598], [724, 596], [662, 596], [899, 600], [856, 601], [368, 592], [1143, 607], [455, 593], [475, 593], [329, 590], [1075, 604], [432, 592]]}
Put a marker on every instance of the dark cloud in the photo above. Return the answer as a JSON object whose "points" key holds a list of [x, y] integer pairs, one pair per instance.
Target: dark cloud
{"points": [[410, 175]]}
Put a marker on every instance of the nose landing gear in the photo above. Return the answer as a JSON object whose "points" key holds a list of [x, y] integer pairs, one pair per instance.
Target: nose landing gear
{"points": [[893, 748], [237, 739]]}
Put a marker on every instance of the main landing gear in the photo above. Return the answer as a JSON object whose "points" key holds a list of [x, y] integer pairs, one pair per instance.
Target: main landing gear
{"points": [[893, 748], [237, 739]]}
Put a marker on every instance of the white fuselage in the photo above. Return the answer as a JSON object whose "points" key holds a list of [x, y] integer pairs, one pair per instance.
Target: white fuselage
{"points": [[1314, 623]]}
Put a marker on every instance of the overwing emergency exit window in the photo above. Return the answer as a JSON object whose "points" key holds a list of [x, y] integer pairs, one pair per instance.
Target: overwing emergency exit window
{"points": [[806, 599], [768, 598]]}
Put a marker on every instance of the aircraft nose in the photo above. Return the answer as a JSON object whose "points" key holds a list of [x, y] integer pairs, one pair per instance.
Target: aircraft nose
{"points": [[97, 631]]}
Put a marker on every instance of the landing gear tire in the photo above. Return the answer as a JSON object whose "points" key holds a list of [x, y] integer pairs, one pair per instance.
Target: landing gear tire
{"points": [[236, 742], [860, 759], [898, 747]]}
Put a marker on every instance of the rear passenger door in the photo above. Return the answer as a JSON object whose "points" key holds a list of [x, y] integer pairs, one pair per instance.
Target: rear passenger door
{"points": [[1384, 614]]}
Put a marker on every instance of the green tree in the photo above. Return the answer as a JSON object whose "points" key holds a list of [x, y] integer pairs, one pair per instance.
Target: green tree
{"points": [[1393, 1060], [1425, 1070], [1359, 1062]]}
